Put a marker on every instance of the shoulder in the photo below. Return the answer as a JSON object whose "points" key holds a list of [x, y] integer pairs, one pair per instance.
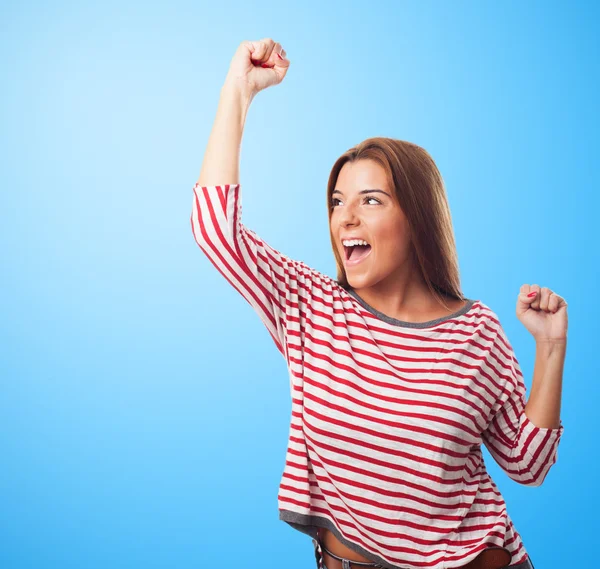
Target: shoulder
{"points": [[486, 316]]}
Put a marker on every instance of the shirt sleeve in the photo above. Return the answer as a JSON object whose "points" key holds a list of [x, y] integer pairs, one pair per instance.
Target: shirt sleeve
{"points": [[267, 279], [523, 450]]}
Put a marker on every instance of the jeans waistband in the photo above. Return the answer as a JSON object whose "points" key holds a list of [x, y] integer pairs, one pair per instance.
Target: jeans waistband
{"points": [[345, 562], [319, 547]]}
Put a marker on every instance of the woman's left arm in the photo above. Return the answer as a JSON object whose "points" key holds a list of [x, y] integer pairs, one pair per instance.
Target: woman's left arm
{"points": [[543, 405], [544, 314]]}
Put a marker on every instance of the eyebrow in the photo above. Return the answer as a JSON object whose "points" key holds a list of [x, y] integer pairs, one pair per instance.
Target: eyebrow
{"points": [[364, 192]]}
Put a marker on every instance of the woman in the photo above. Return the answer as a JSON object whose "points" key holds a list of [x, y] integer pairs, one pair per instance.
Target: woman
{"points": [[396, 378]]}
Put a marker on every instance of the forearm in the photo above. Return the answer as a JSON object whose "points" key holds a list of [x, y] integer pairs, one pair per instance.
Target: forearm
{"points": [[543, 405], [222, 155]]}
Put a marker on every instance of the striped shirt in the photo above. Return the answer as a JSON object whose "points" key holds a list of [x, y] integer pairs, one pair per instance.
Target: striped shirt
{"points": [[388, 417]]}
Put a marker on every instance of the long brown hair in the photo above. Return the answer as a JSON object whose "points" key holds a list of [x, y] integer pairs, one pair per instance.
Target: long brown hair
{"points": [[420, 191]]}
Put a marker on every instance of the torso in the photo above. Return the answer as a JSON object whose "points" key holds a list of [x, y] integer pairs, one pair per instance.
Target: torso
{"points": [[327, 538]]}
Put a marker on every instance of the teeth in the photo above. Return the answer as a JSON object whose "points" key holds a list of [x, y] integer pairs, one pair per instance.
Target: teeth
{"points": [[353, 242]]}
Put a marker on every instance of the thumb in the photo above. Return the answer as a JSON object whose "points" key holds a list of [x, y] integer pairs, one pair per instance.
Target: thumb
{"points": [[525, 299]]}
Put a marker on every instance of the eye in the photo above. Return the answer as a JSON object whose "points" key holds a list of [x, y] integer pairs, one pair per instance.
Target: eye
{"points": [[333, 200]]}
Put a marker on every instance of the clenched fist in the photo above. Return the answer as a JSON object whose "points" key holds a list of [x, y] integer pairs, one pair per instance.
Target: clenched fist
{"points": [[258, 64]]}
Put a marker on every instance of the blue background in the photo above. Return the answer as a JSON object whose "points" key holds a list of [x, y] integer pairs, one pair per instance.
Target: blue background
{"points": [[144, 407]]}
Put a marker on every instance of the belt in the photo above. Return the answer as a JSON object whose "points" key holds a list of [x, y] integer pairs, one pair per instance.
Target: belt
{"points": [[490, 558]]}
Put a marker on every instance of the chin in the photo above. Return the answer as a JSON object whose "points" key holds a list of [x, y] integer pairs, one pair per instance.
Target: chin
{"points": [[360, 282]]}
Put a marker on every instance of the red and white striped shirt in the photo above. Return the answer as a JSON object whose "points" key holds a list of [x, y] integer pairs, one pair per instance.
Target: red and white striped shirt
{"points": [[387, 417]]}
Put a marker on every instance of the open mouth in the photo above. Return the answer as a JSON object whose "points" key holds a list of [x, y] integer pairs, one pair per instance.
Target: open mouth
{"points": [[356, 252]]}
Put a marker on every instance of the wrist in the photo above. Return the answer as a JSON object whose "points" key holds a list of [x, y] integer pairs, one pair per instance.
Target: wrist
{"points": [[238, 87], [551, 348], [551, 341]]}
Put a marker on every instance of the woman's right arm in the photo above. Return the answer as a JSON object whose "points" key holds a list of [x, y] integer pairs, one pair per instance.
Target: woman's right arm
{"points": [[277, 287], [255, 66], [222, 156]]}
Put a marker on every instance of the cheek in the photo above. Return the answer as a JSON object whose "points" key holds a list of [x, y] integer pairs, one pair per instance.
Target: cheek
{"points": [[392, 234], [393, 242]]}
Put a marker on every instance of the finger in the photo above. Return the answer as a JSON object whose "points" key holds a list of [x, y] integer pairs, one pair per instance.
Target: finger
{"points": [[525, 288], [274, 58], [559, 301], [545, 293], [272, 52], [553, 302], [259, 49], [523, 292], [277, 55], [263, 54], [270, 45], [536, 302], [526, 299]]}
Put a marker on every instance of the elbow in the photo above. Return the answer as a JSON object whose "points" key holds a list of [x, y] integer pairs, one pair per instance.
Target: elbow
{"points": [[529, 481], [525, 477], [529, 474]]}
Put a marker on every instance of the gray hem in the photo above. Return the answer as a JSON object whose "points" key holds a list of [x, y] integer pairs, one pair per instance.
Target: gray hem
{"points": [[309, 524]]}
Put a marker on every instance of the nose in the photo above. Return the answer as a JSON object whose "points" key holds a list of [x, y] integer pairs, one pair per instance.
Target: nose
{"points": [[347, 216]]}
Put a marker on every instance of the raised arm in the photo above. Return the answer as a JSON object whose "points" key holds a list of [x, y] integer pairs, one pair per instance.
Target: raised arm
{"points": [[222, 156], [277, 287], [254, 67]]}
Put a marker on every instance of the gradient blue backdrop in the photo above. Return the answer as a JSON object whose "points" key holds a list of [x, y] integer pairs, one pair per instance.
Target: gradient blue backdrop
{"points": [[145, 409]]}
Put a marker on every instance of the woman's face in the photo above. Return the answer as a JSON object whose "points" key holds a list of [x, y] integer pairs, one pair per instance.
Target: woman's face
{"points": [[375, 217]]}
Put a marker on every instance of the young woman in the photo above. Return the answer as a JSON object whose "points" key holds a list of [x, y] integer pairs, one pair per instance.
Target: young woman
{"points": [[396, 378]]}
